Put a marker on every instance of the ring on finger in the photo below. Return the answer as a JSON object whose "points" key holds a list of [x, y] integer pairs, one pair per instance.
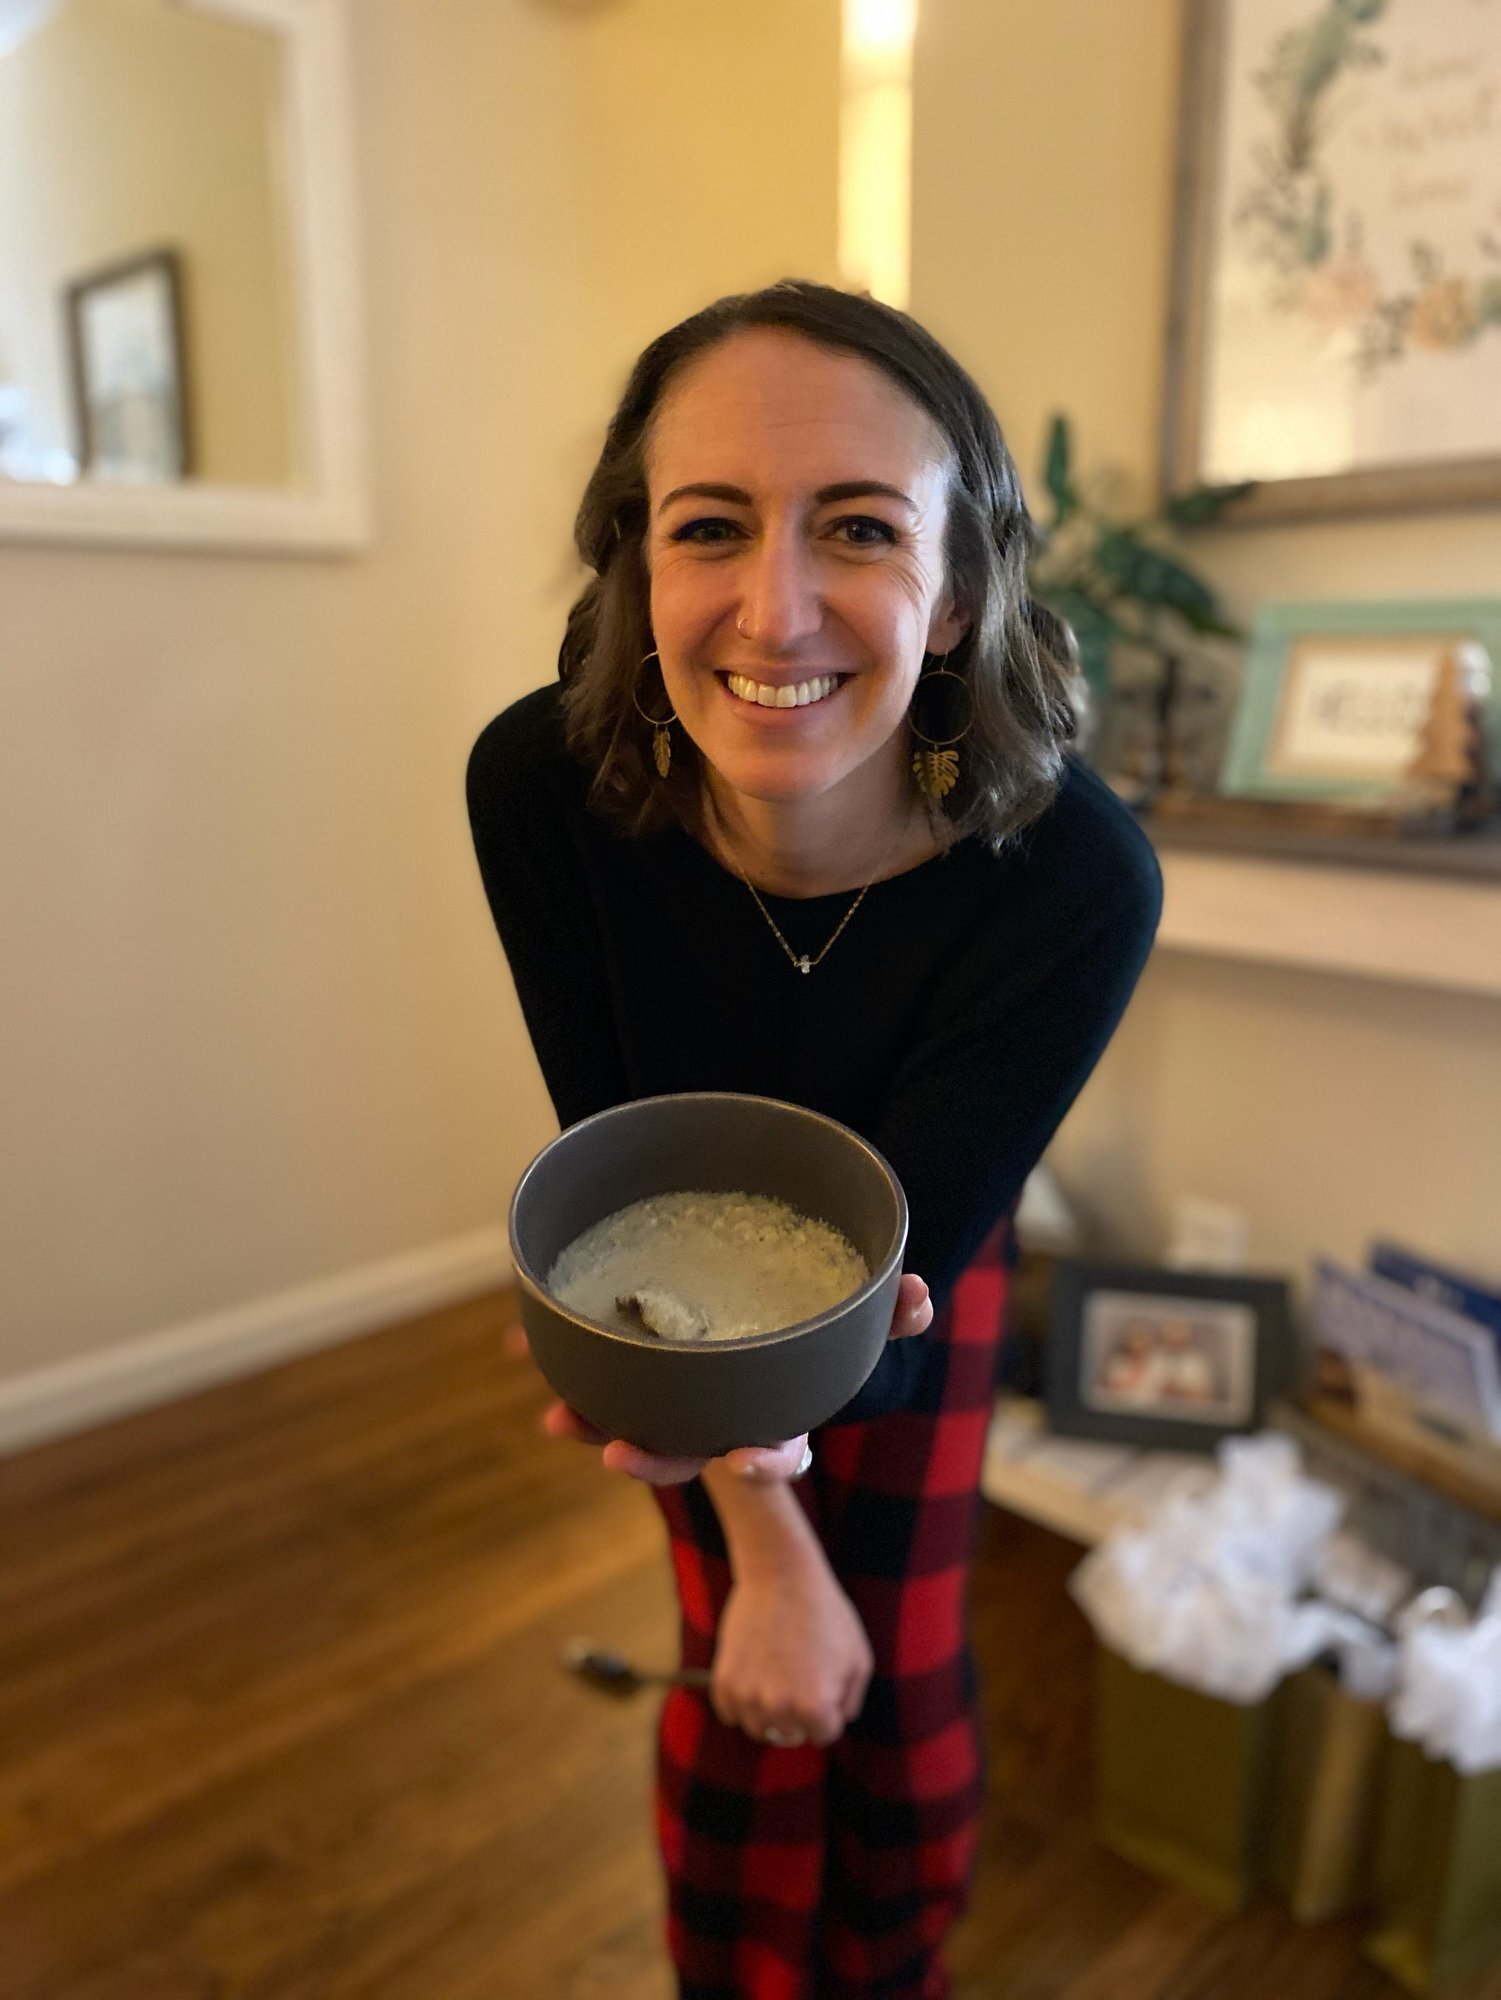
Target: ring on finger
{"points": [[783, 1739]]}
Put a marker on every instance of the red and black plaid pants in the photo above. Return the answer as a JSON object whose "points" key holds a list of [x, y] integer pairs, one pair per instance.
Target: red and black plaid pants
{"points": [[812, 1874]]}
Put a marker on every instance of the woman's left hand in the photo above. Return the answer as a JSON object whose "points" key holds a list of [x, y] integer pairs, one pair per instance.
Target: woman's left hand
{"points": [[791, 1661], [760, 1463]]}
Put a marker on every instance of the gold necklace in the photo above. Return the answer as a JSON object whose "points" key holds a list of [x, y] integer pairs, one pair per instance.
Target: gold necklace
{"points": [[802, 961]]}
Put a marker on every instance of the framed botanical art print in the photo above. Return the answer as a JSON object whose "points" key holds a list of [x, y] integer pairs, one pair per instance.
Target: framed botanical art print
{"points": [[1336, 323]]}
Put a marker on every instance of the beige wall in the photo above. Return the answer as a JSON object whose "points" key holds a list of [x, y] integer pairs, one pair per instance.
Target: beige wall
{"points": [[1328, 1109], [258, 1029], [130, 125], [262, 1030]]}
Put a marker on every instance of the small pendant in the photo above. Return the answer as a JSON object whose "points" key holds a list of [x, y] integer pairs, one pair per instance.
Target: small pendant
{"points": [[803, 964]]}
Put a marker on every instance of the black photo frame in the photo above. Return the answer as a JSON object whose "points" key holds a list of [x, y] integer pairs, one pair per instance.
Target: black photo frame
{"points": [[1165, 1360], [127, 357]]}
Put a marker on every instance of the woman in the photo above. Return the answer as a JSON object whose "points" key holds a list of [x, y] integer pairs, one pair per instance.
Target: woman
{"points": [[798, 822]]}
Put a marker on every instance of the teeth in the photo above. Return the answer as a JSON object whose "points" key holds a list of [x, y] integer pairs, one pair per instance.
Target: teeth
{"points": [[799, 696]]}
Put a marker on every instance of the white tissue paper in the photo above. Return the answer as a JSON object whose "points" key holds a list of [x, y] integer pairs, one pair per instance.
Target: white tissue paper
{"points": [[1449, 1681], [1207, 1592]]}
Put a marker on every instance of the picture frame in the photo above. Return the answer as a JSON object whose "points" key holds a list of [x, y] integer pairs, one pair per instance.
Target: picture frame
{"points": [[1335, 323], [1336, 698], [1164, 1360], [128, 365]]}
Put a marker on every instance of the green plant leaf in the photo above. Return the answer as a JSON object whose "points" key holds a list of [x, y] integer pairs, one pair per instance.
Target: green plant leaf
{"points": [[1056, 469], [1095, 631], [1213, 625], [1136, 570], [1205, 503]]}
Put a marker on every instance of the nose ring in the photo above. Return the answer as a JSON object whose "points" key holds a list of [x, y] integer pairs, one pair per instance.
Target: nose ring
{"points": [[740, 626]]}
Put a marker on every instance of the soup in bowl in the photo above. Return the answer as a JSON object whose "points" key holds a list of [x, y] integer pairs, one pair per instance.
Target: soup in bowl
{"points": [[657, 1246]]}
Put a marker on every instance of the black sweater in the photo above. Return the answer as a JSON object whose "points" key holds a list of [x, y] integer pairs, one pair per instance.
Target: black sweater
{"points": [[952, 1024]]}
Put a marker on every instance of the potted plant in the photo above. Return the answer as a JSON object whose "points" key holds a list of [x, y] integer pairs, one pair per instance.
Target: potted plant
{"points": [[1120, 587]]}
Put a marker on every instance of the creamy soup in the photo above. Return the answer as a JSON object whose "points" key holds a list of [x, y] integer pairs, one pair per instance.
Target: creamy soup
{"points": [[692, 1266]]}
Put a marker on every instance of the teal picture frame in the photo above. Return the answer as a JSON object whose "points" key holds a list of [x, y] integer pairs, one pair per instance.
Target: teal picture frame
{"points": [[1283, 631]]}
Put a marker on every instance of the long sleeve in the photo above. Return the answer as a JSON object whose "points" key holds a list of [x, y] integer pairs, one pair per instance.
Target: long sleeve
{"points": [[539, 894], [983, 1091]]}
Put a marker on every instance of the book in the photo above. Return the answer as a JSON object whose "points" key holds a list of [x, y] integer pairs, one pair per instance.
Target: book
{"points": [[1447, 1365], [1459, 1292]]}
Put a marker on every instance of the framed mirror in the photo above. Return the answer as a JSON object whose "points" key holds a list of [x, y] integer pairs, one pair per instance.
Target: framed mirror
{"points": [[180, 339]]}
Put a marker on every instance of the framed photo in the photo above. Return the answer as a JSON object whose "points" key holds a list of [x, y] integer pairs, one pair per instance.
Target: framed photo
{"points": [[1339, 700], [1336, 321], [129, 377], [1168, 1360]]}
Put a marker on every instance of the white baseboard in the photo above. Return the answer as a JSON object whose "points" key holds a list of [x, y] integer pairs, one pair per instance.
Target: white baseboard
{"points": [[159, 1367]]}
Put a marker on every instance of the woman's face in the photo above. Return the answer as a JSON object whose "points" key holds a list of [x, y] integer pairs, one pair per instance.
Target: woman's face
{"points": [[798, 504]]}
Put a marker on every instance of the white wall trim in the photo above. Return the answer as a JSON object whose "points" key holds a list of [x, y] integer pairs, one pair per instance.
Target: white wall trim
{"points": [[159, 1367]]}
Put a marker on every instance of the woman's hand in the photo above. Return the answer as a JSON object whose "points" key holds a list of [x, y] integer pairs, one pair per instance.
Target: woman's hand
{"points": [[760, 1463], [792, 1662], [763, 1464]]}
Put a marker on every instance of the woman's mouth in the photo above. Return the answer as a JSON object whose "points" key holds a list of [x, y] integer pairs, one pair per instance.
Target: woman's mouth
{"points": [[791, 694]]}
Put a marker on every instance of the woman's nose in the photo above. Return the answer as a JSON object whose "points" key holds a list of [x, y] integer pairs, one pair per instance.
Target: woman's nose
{"points": [[780, 604]]}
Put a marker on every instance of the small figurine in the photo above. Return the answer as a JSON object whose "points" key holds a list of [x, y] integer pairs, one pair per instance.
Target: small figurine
{"points": [[1450, 771]]}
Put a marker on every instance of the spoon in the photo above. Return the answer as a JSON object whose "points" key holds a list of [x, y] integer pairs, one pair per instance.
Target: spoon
{"points": [[611, 1673]]}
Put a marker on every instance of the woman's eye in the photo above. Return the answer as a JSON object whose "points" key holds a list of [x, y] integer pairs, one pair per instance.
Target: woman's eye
{"points": [[865, 531], [707, 531]]}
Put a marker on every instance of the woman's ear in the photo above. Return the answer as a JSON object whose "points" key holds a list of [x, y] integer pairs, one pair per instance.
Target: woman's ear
{"points": [[948, 627]]}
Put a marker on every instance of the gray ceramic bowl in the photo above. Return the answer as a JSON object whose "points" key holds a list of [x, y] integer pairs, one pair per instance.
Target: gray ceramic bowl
{"points": [[705, 1399]]}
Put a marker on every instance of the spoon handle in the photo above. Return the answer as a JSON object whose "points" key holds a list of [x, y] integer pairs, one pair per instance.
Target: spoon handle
{"points": [[614, 1674]]}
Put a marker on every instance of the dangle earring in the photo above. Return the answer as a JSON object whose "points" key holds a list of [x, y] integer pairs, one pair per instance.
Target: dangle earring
{"points": [[661, 742], [936, 765]]}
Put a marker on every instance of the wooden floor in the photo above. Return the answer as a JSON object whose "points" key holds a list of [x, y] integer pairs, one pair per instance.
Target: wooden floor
{"points": [[280, 1718]]}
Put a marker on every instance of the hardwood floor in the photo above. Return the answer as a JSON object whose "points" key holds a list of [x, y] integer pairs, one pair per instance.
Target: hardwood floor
{"points": [[280, 1718]]}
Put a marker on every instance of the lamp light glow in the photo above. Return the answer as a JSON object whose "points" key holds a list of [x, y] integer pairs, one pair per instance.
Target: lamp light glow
{"points": [[875, 147]]}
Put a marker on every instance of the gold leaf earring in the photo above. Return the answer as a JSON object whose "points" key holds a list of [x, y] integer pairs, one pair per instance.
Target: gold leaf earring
{"points": [[661, 742], [935, 766]]}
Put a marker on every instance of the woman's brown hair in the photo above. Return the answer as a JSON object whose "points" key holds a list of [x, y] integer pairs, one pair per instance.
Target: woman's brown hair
{"points": [[1013, 657]]}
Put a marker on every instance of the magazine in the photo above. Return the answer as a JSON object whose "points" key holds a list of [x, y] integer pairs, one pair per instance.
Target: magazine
{"points": [[1462, 1294], [1446, 1363]]}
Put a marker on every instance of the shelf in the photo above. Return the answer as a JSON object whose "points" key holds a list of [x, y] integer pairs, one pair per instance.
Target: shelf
{"points": [[1371, 917], [1078, 1489], [1469, 857]]}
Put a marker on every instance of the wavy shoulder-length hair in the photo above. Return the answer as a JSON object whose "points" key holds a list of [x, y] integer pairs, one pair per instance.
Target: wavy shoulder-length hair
{"points": [[1013, 658]]}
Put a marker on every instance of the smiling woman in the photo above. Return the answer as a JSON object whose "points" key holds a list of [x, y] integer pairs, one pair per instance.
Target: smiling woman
{"points": [[716, 864], [799, 582], [772, 447]]}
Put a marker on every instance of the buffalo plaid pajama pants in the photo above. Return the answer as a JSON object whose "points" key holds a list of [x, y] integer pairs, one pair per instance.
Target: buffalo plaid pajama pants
{"points": [[813, 1874]]}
